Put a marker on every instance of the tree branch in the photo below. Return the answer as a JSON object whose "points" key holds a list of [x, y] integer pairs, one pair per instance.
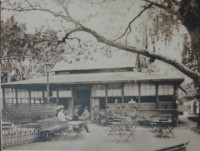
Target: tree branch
{"points": [[96, 2], [144, 52], [136, 17], [162, 6], [81, 27], [37, 9]]}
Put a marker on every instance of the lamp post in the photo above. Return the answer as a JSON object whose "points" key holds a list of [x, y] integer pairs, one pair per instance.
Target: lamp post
{"points": [[48, 68]]}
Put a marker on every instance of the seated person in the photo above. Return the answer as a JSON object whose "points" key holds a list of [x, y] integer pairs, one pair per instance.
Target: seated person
{"points": [[61, 114], [85, 115], [102, 118]]}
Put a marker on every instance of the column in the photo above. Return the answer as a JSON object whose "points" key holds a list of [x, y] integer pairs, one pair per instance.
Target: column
{"points": [[139, 94], [16, 96], [122, 86], [4, 100], [157, 97], [57, 94], [106, 95], [29, 95]]}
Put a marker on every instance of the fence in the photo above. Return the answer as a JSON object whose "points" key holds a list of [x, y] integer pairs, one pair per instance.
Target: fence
{"points": [[19, 122]]}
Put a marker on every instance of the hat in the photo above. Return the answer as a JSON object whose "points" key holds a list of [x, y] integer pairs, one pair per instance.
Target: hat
{"points": [[58, 108]]}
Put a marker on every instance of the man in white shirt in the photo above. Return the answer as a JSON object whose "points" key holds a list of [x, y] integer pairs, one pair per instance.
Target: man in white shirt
{"points": [[85, 117]]}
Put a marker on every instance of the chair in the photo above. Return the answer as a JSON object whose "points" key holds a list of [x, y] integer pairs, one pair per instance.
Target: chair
{"points": [[163, 128]]}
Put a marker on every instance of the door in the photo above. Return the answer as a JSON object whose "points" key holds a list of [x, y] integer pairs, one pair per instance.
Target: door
{"points": [[82, 99]]}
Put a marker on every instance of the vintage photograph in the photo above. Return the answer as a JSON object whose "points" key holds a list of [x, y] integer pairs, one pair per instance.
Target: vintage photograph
{"points": [[100, 75]]}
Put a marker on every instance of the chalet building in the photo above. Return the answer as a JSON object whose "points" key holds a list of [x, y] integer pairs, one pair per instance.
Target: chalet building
{"points": [[96, 85]]}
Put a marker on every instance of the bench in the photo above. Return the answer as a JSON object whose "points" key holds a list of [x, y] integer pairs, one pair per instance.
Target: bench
{"points": [[6, 125], [179, 147], [49, 126]]}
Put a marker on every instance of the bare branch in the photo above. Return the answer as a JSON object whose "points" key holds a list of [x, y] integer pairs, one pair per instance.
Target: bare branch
{"points": [[81, 27], [96, 2], [37, 9], [144, 52], [162, 6], [136, 17]]}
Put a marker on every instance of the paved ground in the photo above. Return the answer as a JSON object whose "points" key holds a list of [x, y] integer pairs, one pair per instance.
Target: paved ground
{"points": [[97, 140]]}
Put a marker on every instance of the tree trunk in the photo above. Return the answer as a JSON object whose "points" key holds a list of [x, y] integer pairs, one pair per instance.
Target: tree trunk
{"points": [[189, 15], [195, 43], [197, 96]]}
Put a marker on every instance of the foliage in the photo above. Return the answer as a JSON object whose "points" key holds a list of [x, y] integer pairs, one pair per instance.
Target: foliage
{"points": [[24, 54], [13, 39], [189, 88], [188, 59]]}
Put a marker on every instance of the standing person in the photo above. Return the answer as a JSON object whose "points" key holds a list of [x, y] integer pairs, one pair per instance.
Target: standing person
{"points": [[96, 114], [85, 117], [75, 113], [195, 107]]}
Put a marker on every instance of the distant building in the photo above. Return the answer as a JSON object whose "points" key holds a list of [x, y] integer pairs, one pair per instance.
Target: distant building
{"points": [[96, 85]]}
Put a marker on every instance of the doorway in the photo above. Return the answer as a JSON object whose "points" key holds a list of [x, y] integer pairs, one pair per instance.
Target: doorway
{"points": [[82, 99]]}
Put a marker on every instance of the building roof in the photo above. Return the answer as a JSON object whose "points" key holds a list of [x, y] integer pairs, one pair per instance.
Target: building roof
{"points": [[118, 60], [109, 77]]}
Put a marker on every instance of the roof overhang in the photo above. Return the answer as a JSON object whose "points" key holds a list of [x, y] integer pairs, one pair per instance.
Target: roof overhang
{"points": [[92, 78]]}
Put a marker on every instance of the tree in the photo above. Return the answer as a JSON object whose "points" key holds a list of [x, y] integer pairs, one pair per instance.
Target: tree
{"points": [[165, 12], [23, 52]]}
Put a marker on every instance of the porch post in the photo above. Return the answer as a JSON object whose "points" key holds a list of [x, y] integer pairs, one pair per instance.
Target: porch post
{"points": [[16, 96], [157, 97], [106, 95], [29, 96], [122, 86], [4, 100], [174, 112], [139, 94], [57, 95], [43, 97]]}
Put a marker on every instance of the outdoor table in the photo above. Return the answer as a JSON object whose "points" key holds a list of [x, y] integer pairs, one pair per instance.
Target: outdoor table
{"points": [[120, 130], [162, 127], [75, 122]]}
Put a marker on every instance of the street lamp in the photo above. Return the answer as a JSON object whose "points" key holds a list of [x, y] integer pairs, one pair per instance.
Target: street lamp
{"points": [[48, 67]]}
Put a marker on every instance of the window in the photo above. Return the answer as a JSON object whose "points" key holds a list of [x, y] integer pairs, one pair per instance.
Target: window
{"points": [[9, 93], [23, 93], [36, 94], [102, 103], [148, 89], [127, 99], [166, 98], [131, 89], [99, 90], [23, 101], [114, 100], [114, 90], [148, 99], [65, 93], [165, 89]]}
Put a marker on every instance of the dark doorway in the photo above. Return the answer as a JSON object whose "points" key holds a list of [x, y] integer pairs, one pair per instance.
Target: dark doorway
{"points": [[82, 99], [64, 102], [102, 103]]}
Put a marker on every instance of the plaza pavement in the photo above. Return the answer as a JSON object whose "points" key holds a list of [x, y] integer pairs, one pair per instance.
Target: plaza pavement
{"points": [[97, 140]]}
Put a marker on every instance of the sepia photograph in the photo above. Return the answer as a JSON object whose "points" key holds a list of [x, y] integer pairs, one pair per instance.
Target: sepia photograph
{"points": [[100, 75]]}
